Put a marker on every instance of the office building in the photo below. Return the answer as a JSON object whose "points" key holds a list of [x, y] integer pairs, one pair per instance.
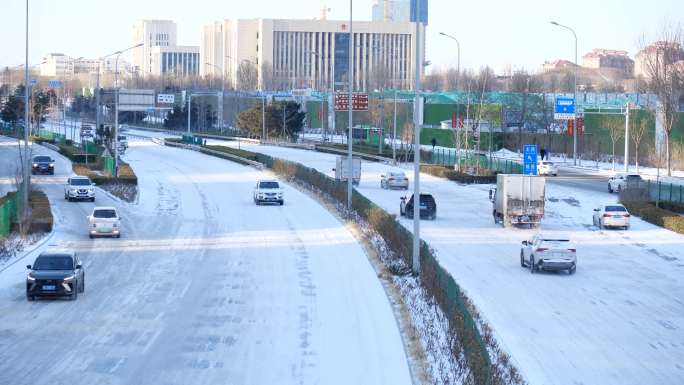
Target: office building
{"points": [[57, 65], [400, 11], [152, 33], [288, 54], [177, 60]]}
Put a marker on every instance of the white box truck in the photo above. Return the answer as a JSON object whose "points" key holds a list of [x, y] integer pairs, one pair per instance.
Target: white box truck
{"points": [[518, 200], [342, 171]]}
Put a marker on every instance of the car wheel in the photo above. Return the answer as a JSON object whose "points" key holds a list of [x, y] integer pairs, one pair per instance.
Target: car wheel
{"points": [[610, 188], [118, 236], [572, 270], [74, 295], [532, 267], [282, 202], [522, 260], [555, 174], [601, 225], [30, 297], [619, 189], [91, 236], [82, 286], [92, 199]]}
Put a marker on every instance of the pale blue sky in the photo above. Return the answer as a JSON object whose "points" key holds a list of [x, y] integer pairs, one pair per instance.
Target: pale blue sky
{"points": [[494, 32]]}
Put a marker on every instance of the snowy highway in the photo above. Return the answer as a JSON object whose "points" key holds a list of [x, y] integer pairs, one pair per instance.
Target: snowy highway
{"points": [[204, 287], [618, 320]]}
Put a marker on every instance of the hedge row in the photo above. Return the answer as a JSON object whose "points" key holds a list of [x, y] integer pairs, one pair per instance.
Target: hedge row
{"points": [[451, 174], [126, 174], [41, 214], [437, 282], [657, 216]]}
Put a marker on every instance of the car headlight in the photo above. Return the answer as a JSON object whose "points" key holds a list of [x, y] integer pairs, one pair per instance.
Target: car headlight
{"points": [[69, 278], [35, 165], [52, 165], [73, 190], [30, 278]]}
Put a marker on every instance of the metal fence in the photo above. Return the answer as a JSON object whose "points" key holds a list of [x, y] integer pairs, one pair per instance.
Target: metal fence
{"points": [[9, 206], [662, 191], [447, 157]]}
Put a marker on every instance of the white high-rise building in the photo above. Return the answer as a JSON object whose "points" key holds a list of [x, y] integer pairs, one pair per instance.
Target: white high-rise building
{"points": [[152, 33], [57, 65], [287, 54], [392, 10]]}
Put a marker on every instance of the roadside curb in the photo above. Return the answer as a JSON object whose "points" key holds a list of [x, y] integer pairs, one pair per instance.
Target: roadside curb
{"points": [[31, 249]]}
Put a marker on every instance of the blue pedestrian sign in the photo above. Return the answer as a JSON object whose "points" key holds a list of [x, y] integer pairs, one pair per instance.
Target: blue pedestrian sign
{"points": [[565, 109], [530, 159]]}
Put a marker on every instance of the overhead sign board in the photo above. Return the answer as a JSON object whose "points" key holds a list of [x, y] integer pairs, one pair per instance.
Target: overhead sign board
{"points": [[166, 98], [565, 109], [530, 159], [359, 101], [136, 99]]}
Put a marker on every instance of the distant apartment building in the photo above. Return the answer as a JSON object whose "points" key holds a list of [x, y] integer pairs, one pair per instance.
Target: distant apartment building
{"points": [[57, 65], [665, 52], [557, 65], [152, 33], [180, 61], [288, 54], [600, 58]]}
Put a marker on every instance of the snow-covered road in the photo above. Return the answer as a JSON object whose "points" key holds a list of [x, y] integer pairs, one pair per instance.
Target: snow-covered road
{"points": [[618, 320], [204, 287]]}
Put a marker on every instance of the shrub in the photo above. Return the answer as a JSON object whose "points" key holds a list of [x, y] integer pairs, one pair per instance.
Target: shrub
{"points": [[657, 216], [451, 174]]}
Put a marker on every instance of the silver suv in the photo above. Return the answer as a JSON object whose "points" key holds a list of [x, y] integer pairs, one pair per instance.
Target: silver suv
{"points": [[79, 188]]}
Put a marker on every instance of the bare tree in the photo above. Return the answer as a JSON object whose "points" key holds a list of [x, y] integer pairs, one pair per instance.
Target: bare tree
{"points": [[666, 79], [617, 130], [247, 76], [637, 132]]}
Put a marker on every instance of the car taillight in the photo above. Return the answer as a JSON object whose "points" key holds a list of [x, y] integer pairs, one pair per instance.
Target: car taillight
{"points": [[627, 215], [572, 250], [541, 249], [391, 179], [607, 215]]}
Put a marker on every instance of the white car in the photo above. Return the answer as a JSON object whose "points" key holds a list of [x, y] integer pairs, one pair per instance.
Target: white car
{"points": [[268, 191], [547, 252], [104, 221], [79, 188], [394, 179], [620, 181], [611, 216], [546, 167]]}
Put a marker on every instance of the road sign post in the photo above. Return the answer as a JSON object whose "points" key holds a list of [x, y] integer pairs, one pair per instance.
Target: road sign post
{"points": [[530, 159], [565, 109]]}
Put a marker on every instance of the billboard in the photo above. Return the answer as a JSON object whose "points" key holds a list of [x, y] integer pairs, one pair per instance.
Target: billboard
{"points": [[166, 98], [136, 99]]}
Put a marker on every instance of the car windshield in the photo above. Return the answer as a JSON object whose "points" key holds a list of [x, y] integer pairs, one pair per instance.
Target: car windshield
{"points": [[61, 262], [397, 175], [80, 182], [269, 185], [42, 159], [555, 240], [633, 177], [104, 213], [615, 208]]}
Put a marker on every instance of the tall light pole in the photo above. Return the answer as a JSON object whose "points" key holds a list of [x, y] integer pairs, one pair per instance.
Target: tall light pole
{"points": [[116, 107], [416, 152], [27, 174], [574, 119], [97, 95], [350, 78], [458, 80], [223, 90]]}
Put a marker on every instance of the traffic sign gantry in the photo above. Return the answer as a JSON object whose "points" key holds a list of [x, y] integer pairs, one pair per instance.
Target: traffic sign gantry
{"points": [[530, 159]]}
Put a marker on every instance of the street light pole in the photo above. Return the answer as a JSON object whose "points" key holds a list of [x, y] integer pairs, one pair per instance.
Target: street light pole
{"points": [[116, 108], [574, 119], [27, 175], [350, 76], [458, 51], [458, 80], [416, 150], [220, 99]]}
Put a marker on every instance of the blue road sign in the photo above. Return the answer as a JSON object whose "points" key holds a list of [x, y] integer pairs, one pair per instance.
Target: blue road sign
{"points": [[54, 83], [565, 109], [530, 159], [34, 82]]}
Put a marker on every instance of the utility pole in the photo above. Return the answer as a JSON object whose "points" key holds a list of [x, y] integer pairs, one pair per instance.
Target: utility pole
{"points": [[416, 151], [350, 78], [394, 134], [189, 109], [627, 137], [574, 119], [27, 175], [116, 108]]}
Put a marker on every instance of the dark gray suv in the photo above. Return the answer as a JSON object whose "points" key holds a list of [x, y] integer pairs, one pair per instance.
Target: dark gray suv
{"points": [[55, 274]]}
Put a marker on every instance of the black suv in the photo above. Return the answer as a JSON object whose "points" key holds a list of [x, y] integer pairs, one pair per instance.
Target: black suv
{"points": [[428, 207], [43, 165], [55, 274]]}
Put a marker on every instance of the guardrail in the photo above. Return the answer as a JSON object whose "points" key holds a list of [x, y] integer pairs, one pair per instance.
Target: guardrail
{"points": [[220, 154]]}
